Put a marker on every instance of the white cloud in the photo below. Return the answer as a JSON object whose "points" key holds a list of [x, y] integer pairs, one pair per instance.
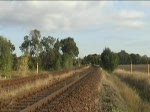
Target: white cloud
{"points": [[133, 23], [66, 15], [51, 15], [126, 19], [131, 14]]}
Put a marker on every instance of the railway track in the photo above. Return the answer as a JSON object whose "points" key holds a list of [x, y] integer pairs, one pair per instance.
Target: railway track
{"points": [[29, 101], [81, 97], [48, 82]]}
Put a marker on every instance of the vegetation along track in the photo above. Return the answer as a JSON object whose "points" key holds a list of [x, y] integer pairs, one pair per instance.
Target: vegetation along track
{"points": [[14, 83], [29, 100]]}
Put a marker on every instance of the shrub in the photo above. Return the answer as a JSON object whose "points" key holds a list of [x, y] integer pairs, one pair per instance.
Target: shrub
{"points": [[109, 60]]}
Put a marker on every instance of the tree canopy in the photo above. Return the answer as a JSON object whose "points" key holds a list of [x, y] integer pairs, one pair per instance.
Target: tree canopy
{"points": [[109, 60], [6, 50], [69, 46]]}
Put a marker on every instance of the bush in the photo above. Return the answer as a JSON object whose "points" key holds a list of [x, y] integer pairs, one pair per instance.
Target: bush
{"points": [[23, 67], [109, 60]]}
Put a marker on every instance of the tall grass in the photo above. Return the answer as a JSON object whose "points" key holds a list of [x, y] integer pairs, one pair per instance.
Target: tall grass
{"points": [[138, 81], [130, 101]]}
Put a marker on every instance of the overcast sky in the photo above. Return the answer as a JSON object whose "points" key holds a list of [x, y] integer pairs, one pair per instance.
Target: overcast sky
{"points": [[93, 24]]}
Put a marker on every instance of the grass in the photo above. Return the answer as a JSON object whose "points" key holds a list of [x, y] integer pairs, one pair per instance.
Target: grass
{"points": [[37, 84], [135, 68], [138, 81], [120, 97]]}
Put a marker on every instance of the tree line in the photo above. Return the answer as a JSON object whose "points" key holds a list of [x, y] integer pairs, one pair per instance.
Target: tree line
{"points": [[46, 53], [50, 53], [110, 60]]}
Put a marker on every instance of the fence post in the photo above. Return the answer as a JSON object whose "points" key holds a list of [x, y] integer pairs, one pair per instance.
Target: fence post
{"points": [[131, 68], [37, 68], [148, 69]]}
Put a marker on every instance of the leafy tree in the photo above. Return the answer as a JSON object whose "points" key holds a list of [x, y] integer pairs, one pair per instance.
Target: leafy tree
{"points": [[109, 60], [69, 47], [124, 58], [6, 60], [70, 51], [25, 46], [48, 43], [144, 59], [48, 55], [58, 56], [57, 46], [32, 44]]}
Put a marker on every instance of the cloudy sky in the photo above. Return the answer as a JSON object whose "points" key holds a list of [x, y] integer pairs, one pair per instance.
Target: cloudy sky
{"points": [[93, 24]]}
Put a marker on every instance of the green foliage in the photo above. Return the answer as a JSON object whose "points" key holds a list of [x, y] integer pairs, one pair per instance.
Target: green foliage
{"points": [[125, 58], [35, 46], [23, 67], [109, 60], [58, 58], [48, 43], [69, 47], [26, 44], [93, 59], [70, 51], [15, 62], [6, 49], [67, 61], [49, 51], [32, 44], [58, 63]]}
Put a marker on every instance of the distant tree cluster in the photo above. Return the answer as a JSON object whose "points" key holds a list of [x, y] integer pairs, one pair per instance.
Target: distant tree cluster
{"points": [[48, 53], [93, 59], [125, 58], [110, 60]]}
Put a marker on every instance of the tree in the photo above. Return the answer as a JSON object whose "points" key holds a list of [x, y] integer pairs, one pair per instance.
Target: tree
{"points": [[109, 60], [48, 55], [58, 56], [32, 44], [25, 46], [70, 51], [48, 43], [69, 46], [93, 59], [6, 60], [124, 58]]}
